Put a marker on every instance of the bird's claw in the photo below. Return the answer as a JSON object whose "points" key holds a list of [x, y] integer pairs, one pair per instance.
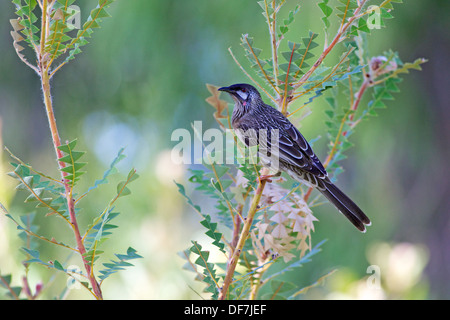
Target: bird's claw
{"points": [[267, 177]]}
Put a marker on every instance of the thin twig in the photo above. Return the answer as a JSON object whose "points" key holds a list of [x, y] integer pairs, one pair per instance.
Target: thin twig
{"points": [[259, 64], [7, 286], [250, 77], [284, 104], [45, 81], [348, 116], [43, 26], [273, 39], [336, 40], [242, 238]]}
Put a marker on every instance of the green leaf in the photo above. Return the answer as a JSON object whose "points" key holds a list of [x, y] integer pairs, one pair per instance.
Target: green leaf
{"points": [[132, 175], [100, 13], [182, 191], [112, 170], [27, 21], [252, 54], [33, 257], [66, 148], [381, 92], [297, 57], [12, 292], [30, 181], [115, 266], [6, 280], [362, 26], [327, 11], [216, 236], [122, 189], [66, 2], [346, 10], [100, 229], [33, 253], [71, 157], [208, 269], [333, 82], [73, 168], [58, 265], [286, 22], [93, 21]]}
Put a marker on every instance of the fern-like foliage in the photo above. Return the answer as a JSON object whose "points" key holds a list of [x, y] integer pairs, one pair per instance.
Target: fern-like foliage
{"points": [[48, 196], [272, 222], [42, 192], [381, 74], [93, 22], [27, 19], [209, 272], [71, 158], [52, 38], [116, 265], [297, 59], [58, 40], [12, 292], [327, 11], [207, 223]]}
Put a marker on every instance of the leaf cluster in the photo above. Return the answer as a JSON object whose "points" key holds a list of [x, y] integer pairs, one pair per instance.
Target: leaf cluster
{"points": [[292, 76], [55, 39], [49, 197]]}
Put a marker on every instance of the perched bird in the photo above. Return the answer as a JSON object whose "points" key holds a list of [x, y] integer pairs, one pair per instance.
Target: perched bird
{"points": [[294, 155]]}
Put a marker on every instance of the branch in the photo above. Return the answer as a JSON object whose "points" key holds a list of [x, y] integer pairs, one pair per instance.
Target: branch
{"points": [[31, 168], [205, 262], [43, 26], [332, 74], [286, 81], [243, 237], [250, 77], [260, 66], [45, 81], [85, 28], [336, 40], [274, 39], [348, 116], [7, 286]]}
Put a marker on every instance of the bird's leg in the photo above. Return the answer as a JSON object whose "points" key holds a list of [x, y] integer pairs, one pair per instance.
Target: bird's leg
{"points": [[268, 176]]}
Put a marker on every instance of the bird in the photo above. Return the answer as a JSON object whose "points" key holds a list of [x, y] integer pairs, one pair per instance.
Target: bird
{"points": [[290, 151]]}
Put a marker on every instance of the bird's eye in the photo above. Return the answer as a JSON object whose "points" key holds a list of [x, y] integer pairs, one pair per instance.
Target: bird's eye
{"points": [[243, 94]]}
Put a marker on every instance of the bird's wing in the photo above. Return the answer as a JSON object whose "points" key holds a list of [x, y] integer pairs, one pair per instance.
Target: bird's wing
{"points": [[304, 146], [293, 147]]}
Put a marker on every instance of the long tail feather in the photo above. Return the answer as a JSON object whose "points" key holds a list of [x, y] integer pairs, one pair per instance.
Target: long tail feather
{"points": [[346, 206]]}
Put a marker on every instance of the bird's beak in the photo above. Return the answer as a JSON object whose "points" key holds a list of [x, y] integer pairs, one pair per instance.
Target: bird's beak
{"points": [[232, 93], [226, 89]]}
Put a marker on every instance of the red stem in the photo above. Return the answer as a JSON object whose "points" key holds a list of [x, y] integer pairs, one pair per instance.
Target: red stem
{"points": [[45, 79], [362, 89]]}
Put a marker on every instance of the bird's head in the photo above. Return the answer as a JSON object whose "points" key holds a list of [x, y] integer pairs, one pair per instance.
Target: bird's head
{"points": [[244, 95]]}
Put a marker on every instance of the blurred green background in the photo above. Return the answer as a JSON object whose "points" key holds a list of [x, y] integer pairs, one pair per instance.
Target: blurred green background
{"points": [[144, 74]]}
